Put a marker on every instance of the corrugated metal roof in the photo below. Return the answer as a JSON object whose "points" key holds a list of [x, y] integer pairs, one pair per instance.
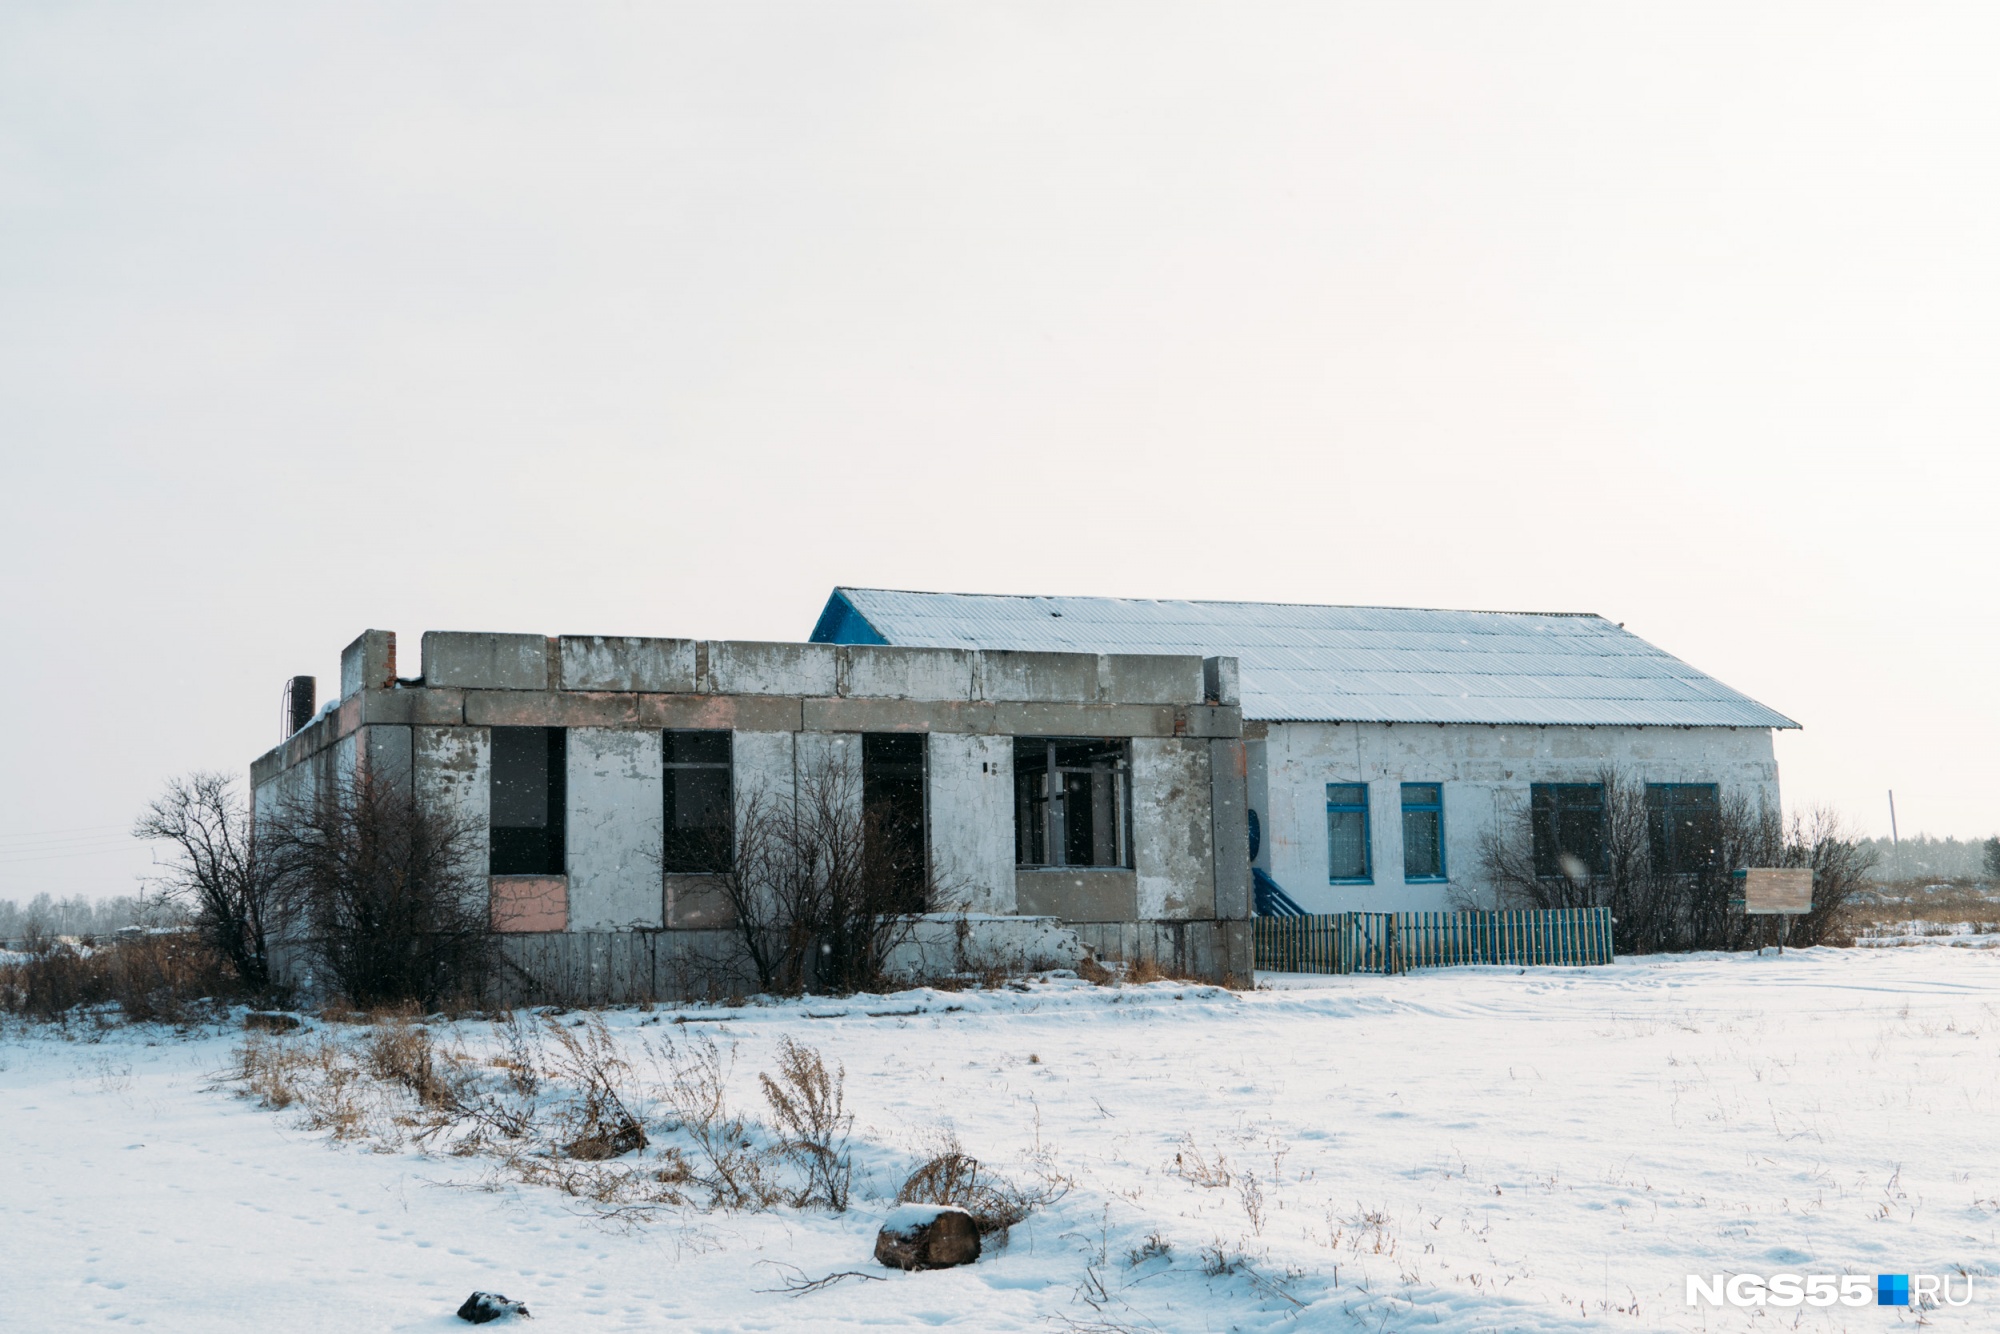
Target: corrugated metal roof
{"points": [[1347, 664]]}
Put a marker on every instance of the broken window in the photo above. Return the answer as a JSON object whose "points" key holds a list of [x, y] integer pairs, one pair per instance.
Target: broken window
{"points": [[1423, 831], [1347, 859], [527, 801], [700, 822], [1072, 804], [892, 802], [1684, 821], [1568, 821]]}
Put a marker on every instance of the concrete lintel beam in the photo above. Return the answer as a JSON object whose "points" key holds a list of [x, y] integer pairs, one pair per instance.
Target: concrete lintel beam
{"points": [[422, 707], [740, 713], [1212, 720]]}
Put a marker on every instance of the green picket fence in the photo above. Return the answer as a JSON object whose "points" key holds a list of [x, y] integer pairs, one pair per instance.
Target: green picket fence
{"points": [[1395, 942]]}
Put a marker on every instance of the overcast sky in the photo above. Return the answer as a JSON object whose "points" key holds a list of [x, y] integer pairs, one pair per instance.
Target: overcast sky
{"points": [[656, 319]]}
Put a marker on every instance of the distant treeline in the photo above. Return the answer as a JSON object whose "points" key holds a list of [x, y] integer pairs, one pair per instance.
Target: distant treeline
{"points": [[1921, 856], [45, 916]]}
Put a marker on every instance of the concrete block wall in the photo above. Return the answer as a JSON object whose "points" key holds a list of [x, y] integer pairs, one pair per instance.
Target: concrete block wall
{"points": [[615, 825], [972, 819], [1486, 773]]}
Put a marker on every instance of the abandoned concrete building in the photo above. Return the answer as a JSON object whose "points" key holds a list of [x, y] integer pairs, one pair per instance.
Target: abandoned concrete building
{"points": [[1385, 745], [1071, 801]]}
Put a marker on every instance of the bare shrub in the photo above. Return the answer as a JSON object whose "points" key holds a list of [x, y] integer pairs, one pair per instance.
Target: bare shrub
{"points": [[1656, 909], [218, 872], [952, 1176], [390, 888], [820, 887], [808, 1105]]}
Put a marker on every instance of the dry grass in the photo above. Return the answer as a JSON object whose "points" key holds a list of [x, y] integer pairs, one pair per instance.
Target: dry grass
{"points": [[163, 977], [952, 1176], [808, 1106], [1921, 908], [1099, 972]]}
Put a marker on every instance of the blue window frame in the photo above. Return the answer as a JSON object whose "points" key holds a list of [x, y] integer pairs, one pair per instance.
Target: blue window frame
{"points": [[1347, 859], [1423, 832]]}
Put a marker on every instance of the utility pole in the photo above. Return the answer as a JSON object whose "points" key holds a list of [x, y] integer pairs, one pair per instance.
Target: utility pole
{"points": [[1895, 844]]}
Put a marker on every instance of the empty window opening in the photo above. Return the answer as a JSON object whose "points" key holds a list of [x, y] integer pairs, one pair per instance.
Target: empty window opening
{"points": [[1072, 801], [700, 821], [528, 797], [1684, 821], [1423, 831], [892, 804], [1347, 860], [1568, 822]]}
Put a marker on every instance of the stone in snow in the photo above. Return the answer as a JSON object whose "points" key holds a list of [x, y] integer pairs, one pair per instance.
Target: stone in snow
{"points": [[927, 1236], [482, 1307]]}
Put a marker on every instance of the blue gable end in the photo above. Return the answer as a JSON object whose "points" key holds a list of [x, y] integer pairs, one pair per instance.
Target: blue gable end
{"points": [[840, 623]]}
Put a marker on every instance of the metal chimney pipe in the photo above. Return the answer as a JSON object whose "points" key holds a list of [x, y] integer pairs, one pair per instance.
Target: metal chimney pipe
{"points": [[300, 704]]}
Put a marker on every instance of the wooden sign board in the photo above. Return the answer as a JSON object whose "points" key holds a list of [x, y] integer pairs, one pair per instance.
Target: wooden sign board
{"points": [[1772, 891]]}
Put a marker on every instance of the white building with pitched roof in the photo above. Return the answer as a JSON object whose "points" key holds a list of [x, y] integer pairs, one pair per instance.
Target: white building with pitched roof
{"points": [[1385, 745]]}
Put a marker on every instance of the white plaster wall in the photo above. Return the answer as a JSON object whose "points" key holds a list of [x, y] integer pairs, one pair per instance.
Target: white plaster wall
{"points": [[1485, 771], [1172, 828], [832, 757], [763, 768], [972, 819], [615, 829], [453, 773]]}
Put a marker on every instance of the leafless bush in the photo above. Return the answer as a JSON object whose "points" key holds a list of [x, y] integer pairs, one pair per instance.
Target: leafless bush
{"points": [[390, 889], [808, 1105], [820, 890], [952, 1176], [217, 872], [1655, 909]]}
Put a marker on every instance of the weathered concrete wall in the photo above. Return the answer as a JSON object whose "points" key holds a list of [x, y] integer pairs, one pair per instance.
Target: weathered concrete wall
{"points": [[1228, 771], [1485, 771], [1215, 951], [941, 944], [454, 770], [486, 661], [764, 763], [1077, 894], [614, 829], [369, 663], [770, 669], [972, 819], [594, 662], [1172, 828]]}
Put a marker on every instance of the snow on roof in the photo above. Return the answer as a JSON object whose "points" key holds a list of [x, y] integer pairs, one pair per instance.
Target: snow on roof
{"points": [[1346, 664]]}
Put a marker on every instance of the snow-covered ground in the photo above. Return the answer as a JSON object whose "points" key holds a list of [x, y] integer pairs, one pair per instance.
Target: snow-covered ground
{"points": [[1466, 1149]]}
